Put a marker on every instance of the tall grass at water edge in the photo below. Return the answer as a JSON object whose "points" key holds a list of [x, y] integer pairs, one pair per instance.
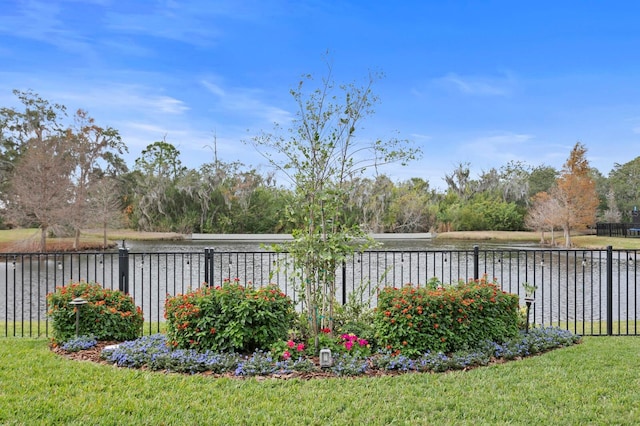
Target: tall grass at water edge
{"points": [[596, 382]]}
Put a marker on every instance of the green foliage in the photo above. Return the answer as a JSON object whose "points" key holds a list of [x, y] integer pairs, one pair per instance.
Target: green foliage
{"points": [[415, 320], [108, 315], [487, 214], [625, 181], [229, 318], [355, 316], [321, 155]]}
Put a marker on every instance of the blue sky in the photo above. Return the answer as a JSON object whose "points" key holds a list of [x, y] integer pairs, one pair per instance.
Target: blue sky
{"points": [[483, 82]]}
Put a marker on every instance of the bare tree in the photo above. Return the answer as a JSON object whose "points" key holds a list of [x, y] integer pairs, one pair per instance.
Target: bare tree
{"points": [[613, 213], [105, 205], [544, 215], [40, 190]]}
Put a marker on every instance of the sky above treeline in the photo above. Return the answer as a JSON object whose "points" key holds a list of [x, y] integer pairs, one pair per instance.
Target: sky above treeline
{"points": [[478, 82]]}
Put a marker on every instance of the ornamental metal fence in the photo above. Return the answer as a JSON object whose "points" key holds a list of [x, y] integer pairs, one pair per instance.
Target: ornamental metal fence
{"points": [[590, 292]]}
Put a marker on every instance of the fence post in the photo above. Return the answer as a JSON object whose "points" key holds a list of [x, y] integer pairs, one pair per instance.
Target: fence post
{"points": [[609, 290], [476, 262], [123, 269], [344, 282], [208, 266]]}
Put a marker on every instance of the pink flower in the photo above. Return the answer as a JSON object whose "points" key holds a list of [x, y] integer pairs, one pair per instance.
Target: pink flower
{"points": [[348, 344], [363, 342], [286, 355], [300, 347], [291, 343]]}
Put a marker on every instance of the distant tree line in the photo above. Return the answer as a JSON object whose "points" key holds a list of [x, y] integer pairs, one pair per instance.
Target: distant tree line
{"points": [[63, 174]]}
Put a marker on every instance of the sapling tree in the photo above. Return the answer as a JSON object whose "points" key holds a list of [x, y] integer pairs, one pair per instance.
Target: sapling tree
{"points": [[322, 157]]}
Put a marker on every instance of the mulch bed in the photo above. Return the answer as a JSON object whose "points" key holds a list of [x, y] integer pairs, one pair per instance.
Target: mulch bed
{"points": [[93, 355]]}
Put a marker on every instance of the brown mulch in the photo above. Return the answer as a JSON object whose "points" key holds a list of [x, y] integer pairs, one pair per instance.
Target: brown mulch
{"points": [[91, 354]]}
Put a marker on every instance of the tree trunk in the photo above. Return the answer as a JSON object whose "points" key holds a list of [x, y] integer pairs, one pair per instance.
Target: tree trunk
{"points": [[76, 239], [567, 236], [43, 239]]}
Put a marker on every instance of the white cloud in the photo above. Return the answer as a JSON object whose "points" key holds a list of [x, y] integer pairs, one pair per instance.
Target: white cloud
{"points": [[246, 101], [43, 21], [478, 86]]}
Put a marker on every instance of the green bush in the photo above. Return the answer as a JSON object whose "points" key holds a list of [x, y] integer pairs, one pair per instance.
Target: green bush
{"points": [[414, 320], [229, 318], [108, 314]]}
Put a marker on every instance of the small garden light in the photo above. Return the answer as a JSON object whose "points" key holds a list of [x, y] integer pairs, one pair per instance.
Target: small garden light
{"points": [[77, 303], [325, 358], [529, 298]]}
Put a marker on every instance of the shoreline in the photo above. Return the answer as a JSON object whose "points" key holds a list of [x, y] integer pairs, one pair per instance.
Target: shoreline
{"points": [[25, 240], [288, 237]]}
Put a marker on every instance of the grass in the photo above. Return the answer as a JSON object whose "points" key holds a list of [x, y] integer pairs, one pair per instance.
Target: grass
{"points": [[26, 240], [578, 241], [597, 382]]}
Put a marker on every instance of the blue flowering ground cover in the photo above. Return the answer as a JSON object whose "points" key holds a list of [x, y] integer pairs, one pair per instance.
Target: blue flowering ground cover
{"points": [[153, 353]]}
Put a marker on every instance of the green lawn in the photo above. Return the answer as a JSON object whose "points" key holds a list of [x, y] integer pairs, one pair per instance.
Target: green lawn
{"points": [[596, 382]]}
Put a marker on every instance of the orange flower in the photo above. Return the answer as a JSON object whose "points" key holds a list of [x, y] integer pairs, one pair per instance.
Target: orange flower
{"points": [[436, 325]]}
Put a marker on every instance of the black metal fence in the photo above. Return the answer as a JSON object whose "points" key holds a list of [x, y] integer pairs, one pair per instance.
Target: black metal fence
{"points": [[590, 292], [618, 229]]}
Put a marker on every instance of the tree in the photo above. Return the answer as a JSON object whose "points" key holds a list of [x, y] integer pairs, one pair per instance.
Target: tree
{"points": [[625, 181], [575, 193], [320, 154], [544, 215], [611, 214], [514, 182], [105, 205], [459, 182], [161, 159], [412, 209], [156, 190], [38, 121], [541, 179], [92, 148], [40, 190]]}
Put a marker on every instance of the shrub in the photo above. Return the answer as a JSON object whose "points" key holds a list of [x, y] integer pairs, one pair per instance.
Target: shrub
{"points": [[355, 316], [108, 314], [416, 320], [229, 318]]}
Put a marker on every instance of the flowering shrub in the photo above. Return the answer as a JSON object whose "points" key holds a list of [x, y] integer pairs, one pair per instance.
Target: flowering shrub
{"points": [[79, 343], [108, 314], [286, 350], [446, 319], [354, 345], [229, 318]]}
